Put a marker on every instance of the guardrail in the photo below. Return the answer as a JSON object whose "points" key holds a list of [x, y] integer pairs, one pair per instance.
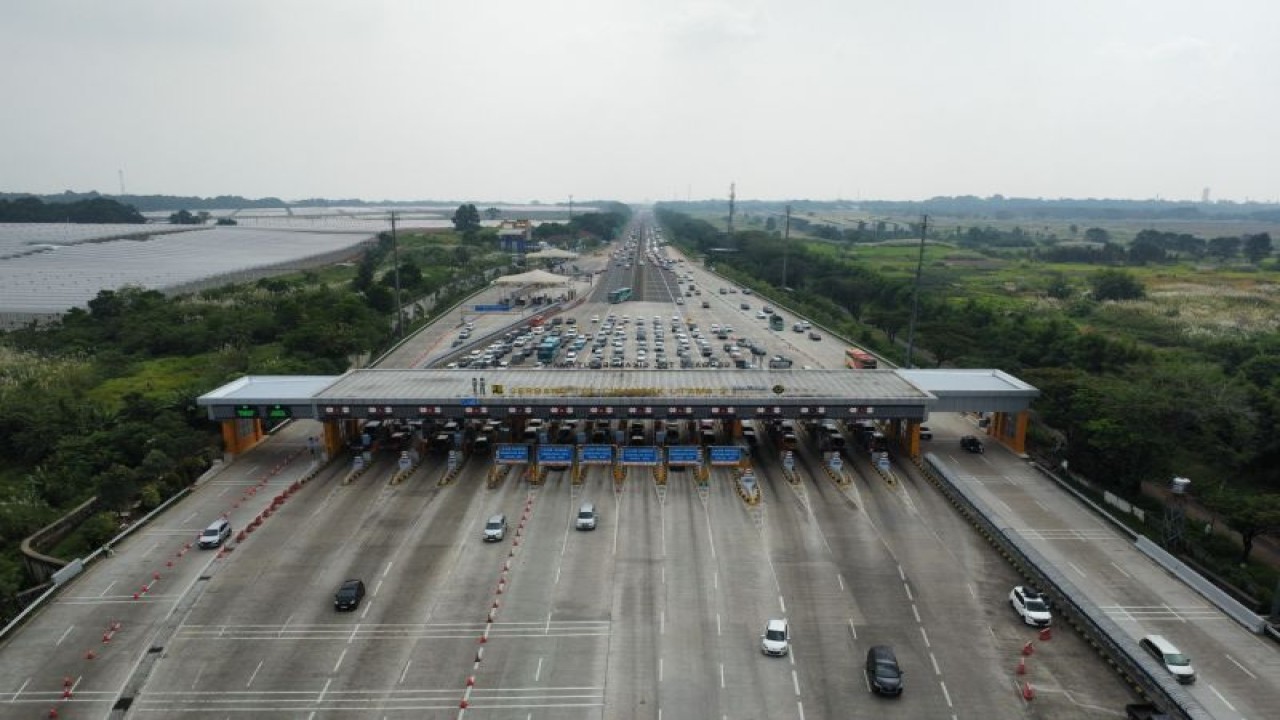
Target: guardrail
{"points": [[1094, 625]]}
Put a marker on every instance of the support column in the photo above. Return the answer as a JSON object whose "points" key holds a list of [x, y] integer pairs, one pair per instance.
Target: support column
{"points": [[240, 435], [912, 439], [1010, 430]]}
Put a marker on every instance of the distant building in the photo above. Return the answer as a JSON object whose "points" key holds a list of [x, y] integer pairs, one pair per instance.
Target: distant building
{"points": [[515, 235]]}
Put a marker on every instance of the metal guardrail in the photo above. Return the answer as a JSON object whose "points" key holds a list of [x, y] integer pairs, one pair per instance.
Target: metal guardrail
{"points": [[1098, 629], [1200, 584]]}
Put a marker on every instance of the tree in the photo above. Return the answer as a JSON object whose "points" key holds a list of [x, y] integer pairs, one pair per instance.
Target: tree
{"points": [[1142, 252], [1116, 285], [1097, 235], [1224, 247], [184, 217], [492, 213], [1257, 247], [466, 218], [1251, 515]]}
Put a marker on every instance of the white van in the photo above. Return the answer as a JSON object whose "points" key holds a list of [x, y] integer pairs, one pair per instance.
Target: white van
{"points": [[1166, 654], [586, 517], [216, 534]]}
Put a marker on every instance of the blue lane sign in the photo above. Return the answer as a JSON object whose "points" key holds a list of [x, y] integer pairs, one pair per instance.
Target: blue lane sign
{"points": [[836, 461], [470, 401], [555, 454], [883, 461], [492, 308], [641, 455], [508, 454], [684, 455], [726, 454], [597, 454]]}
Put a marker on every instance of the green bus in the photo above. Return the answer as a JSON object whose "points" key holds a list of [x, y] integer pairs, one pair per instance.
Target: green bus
{"points": [[620, 295], [777, 323]]}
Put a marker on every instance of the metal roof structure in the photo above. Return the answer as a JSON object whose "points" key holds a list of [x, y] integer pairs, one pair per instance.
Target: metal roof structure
{"points": [[844, 394]]}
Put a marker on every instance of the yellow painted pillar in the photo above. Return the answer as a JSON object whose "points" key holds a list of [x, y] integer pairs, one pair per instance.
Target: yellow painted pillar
{"points": [[240, 435], [913, 439]]}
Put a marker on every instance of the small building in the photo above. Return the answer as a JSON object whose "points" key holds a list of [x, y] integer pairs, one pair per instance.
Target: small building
{"points": [[515, 236]]}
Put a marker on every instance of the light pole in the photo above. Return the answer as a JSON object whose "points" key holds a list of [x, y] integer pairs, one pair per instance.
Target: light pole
{"points": [[395, 258], [786, 245], [915, 292]]}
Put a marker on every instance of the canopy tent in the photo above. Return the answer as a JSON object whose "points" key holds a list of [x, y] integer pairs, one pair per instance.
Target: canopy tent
{"points": [[551, 254], [533, 277]]}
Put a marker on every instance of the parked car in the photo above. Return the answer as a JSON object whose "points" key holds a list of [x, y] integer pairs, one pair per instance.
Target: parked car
{"points": [[972, 444], [349, 595], [1031, 606]]}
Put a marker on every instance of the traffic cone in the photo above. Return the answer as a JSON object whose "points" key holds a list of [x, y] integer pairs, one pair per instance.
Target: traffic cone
{"points": [[1028, 692], [1046, 634], [1022, 666], [1029, 648]]}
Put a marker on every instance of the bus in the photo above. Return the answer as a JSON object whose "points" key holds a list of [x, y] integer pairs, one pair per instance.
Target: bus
{"points": [[859, 359], [777, 323], [620, 295]]}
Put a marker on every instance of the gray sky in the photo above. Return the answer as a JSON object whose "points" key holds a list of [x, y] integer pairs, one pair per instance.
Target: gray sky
{"points": [[642, 100]]}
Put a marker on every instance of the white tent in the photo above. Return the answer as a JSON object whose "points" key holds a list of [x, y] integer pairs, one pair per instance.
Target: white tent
{"points": [[551, 254], [533, 277]]}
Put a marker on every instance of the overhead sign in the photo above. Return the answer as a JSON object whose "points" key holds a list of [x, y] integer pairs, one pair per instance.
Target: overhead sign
{"points": [[555, 454], [511, 454], [641, 455], [596, 455], [726, 454], [684, 455]]}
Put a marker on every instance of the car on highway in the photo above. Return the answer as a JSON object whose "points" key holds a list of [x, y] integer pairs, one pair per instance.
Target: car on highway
{"points": [[972, 444], [349, 595], [1031, 606], [216, 534], [1170, 657], [1144, 711], [814, 335], [744, 306], [776, 640], [926, 433], [496, 528], [884, 675]]}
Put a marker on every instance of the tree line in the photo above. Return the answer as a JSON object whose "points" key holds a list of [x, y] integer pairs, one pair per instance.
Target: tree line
{"points": [[95, 210]]}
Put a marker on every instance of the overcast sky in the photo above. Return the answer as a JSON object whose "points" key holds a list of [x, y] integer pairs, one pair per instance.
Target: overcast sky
{"points": [[518, 100]]}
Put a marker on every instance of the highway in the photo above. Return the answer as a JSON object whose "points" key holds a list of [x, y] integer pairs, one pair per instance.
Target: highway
{"points": [[655, 614]]}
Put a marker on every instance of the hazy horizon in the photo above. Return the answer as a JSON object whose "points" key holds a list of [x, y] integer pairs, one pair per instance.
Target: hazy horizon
{"points": [[668, 100]]}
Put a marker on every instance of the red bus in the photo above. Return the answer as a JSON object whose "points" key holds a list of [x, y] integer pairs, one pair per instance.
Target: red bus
{"points": [[859, 359]]}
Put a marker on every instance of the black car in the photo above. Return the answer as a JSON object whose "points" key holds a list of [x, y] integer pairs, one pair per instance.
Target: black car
{"points": [[349, 595], [972, 444], [884, 676]]}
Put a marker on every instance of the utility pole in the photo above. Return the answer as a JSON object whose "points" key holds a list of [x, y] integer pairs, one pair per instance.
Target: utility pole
{"points": [[570, 208], [786, 245], [395, 257], [915, 292], [731, 199]]}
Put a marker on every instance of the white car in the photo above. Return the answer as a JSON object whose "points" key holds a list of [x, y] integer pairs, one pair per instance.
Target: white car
{"points": [[776, 640], [1031, 605]]}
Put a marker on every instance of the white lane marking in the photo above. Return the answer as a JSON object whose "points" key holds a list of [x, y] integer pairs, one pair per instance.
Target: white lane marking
{"points": [[64, 635], [254, 674], [722, 675], [662, 622], [376, 587], [946, 694], [537, 674], [800, 709], [1243, 669], [840, 579], [557, 575], [338, 664], [1076, 568], [711, 539], [915, 611], [925, 635], [782, 604], [196, 679], [936, 670], [791, 657], [1041, 505], [365, 613], [405, 673], [107, 588], [852, 629], [663, 571], [973, 592], [354, 631], [617, 512], [715, 579], [717, 623], [1230, 707], [795, 682], [323, 690], [1179, 617], [1122, 570], [387, 569], [908, 589], [188, 518], [20, 689], [660, 667], [902, 575]]}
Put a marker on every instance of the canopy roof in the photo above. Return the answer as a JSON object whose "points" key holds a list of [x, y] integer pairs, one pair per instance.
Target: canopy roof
{"points": [[551, 254], [533, 277]]}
